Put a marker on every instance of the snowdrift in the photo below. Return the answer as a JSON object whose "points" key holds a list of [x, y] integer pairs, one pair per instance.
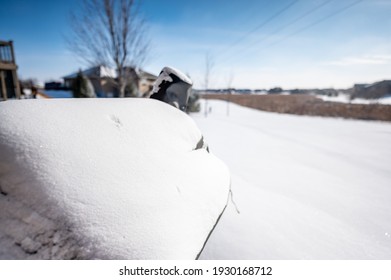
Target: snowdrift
{"points": [[306, 187], [106, 179]]}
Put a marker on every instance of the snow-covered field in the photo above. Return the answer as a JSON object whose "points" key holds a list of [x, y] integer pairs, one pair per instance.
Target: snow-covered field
{"points": [[344, 98], [306, 187]]}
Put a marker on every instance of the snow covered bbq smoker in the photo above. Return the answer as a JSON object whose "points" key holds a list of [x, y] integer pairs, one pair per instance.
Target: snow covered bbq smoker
{"points": [[172, 87], [106, 179]]}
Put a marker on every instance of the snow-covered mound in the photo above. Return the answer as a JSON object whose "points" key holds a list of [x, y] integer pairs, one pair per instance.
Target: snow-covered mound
{"points": [[105, 178]]}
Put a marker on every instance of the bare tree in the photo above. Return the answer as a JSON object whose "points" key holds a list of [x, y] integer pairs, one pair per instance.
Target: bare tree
{"points": [[209, 64], [230, 79], [110, 33]]}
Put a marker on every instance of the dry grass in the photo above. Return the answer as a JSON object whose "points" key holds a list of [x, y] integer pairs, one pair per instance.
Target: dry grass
{"points": [[300, 104]]}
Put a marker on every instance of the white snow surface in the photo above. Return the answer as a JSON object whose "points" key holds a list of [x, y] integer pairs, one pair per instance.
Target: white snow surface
{"points": [[306, 187], [121, 177], [345, 98], [165, 76]]}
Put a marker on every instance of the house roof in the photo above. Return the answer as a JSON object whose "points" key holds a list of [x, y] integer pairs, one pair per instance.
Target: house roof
{"points": [[379, 83], [101, 71], [146, 75]]}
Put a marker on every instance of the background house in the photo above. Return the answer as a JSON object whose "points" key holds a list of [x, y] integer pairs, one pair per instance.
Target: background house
{"points": [[104, 78], [54, 85], [145, 82], [372, 91]]}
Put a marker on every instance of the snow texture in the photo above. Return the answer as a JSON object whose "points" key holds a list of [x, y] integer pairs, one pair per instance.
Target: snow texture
{"points": [[106, 179], [306, 187], [165, 76], [345, 98]]}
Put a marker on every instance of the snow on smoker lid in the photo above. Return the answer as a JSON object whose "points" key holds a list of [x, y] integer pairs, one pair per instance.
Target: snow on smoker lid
{"points": [[165, 76]]}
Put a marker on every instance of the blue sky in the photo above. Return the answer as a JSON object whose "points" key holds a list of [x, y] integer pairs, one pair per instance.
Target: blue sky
{"points": [[254, 43]]}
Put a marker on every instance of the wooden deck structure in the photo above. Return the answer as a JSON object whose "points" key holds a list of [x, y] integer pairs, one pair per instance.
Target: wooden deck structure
{"points": [[9, 83]]}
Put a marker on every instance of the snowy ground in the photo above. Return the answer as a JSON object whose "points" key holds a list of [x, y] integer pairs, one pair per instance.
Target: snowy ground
{"points": [[306, 187], [344, 98]]}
